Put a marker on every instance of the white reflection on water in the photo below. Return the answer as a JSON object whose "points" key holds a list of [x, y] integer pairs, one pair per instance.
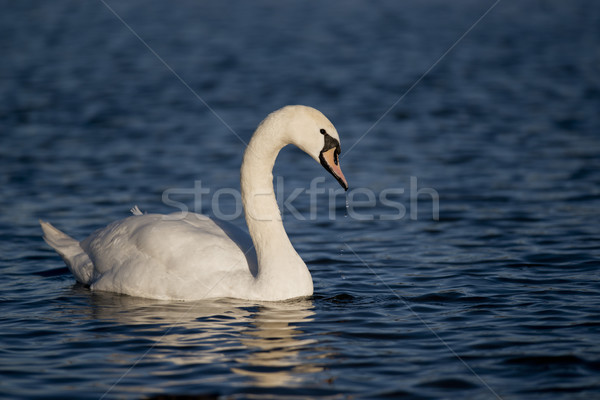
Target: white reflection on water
{"points": [[275, 345], [213, 333]]}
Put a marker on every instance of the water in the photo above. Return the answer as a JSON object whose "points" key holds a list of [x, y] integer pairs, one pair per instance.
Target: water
{"points": [[499, 297]]}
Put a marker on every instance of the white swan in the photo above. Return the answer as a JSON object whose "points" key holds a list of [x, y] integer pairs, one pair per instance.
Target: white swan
{"points": [[188, 256]]}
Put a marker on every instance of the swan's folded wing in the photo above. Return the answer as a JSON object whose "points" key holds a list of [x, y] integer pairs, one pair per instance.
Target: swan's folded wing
{"points": [[162, 256]]}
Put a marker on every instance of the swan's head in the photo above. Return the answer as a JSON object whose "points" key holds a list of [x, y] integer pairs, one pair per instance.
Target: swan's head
{"points": [[312, 132]]}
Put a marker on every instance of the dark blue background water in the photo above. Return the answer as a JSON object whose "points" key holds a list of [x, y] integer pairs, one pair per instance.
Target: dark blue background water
{"points": [[499, 298]]}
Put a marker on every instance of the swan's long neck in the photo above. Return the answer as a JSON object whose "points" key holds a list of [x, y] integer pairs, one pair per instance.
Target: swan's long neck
{"points": [[280, 269]]}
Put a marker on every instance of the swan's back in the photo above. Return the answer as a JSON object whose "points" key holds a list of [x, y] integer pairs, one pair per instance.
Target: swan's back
{"points": [[176, 256]]}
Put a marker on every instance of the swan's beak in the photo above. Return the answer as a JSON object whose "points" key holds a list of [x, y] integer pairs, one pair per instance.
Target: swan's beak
{"points": [[330, 160]]}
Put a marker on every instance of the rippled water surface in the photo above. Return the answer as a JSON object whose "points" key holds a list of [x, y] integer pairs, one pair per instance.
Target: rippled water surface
{"points": [[499, 298]]}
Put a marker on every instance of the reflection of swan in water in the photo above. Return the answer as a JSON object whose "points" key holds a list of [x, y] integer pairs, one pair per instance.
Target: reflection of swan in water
{"points": [[184, 333], [277, 359], [260, 341]]}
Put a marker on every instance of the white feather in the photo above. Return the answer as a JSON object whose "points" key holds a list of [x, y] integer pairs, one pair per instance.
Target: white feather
{"points": [[136, 210]]}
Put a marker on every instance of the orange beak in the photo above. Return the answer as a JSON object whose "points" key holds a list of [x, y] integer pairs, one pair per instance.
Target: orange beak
{"points": [[329, 160]]}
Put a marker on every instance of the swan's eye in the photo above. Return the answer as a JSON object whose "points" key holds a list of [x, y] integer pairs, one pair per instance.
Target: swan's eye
{"points": [[323, 132]]}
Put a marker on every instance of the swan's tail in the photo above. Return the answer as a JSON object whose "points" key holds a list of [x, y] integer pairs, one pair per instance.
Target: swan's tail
{"points": [[68, 248]]}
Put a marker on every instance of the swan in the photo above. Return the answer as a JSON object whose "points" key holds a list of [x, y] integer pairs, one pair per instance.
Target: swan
{"points": [[189, 256]]}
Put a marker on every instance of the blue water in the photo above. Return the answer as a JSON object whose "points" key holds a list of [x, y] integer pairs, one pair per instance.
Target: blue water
{"points": [[498, 298]]}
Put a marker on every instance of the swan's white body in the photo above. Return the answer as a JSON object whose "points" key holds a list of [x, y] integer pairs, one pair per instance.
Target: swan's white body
{"points": [[187, 256]]}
